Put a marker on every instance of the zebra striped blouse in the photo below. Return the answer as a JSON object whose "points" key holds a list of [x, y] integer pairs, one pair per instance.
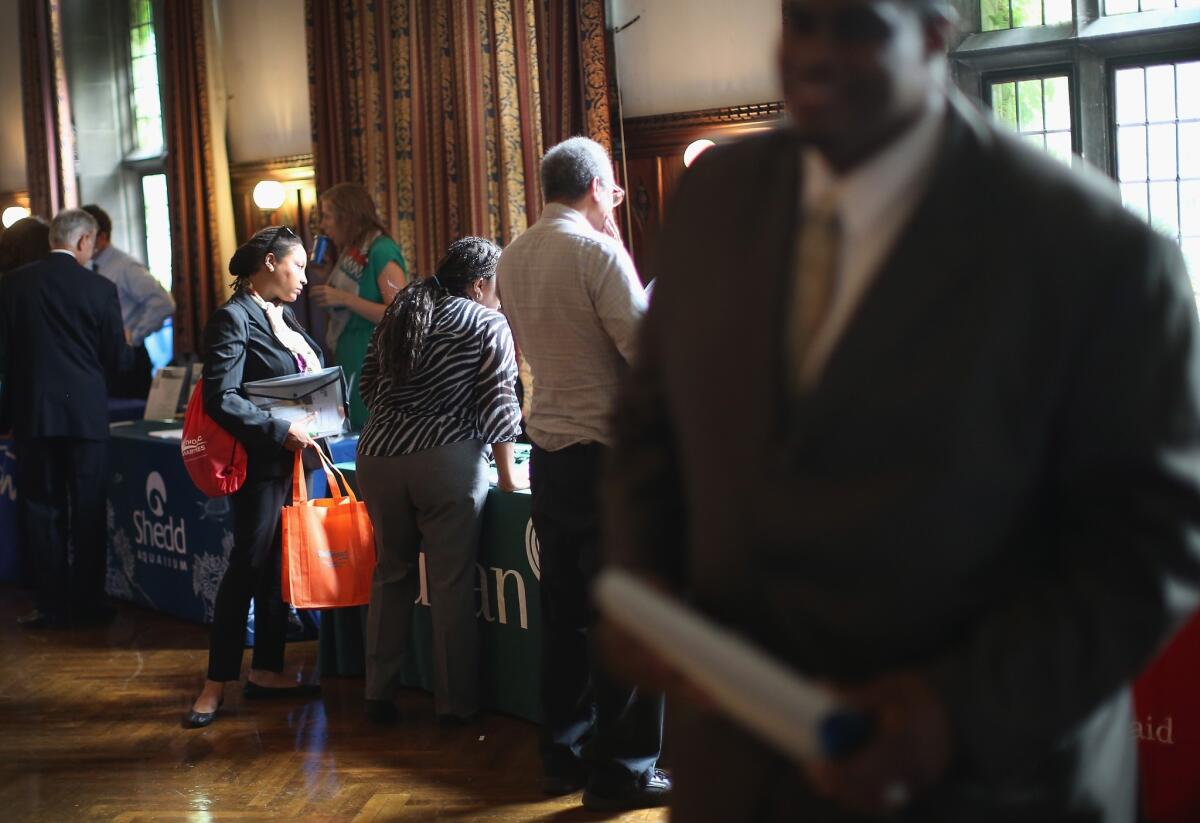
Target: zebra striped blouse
{"points": [[462, 388]]}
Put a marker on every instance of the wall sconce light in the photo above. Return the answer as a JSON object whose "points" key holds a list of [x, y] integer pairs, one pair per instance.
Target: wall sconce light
{"points": [[269, 194], [697, 148], [12, 214]]}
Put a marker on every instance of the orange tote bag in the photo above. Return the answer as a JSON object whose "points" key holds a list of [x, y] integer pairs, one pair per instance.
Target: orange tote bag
{"points": [[328, 545]]}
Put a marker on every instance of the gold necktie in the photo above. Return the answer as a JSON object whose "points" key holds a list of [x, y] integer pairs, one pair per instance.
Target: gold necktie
{"points": [[814, 284]]}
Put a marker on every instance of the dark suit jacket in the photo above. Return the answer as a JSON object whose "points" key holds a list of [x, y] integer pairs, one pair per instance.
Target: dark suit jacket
{"points": [[996, 479], [62, 339], [240, 348]]}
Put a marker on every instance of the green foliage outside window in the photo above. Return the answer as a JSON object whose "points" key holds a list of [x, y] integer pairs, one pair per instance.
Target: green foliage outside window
{"points": [[996, 15], [143, 78], [1039, 109]]}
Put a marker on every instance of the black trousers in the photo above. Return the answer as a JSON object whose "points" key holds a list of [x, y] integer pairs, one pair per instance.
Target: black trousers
{"points": [[134, 383], [254, 572], [61, 484], [614, 730]]}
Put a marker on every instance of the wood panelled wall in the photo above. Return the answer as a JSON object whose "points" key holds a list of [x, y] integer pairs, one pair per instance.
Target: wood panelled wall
{"points": [[298, 177], [15, 198], [298, 213], [653, 163]]}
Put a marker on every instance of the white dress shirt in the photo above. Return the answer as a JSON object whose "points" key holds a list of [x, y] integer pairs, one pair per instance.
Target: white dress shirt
{"points": [[145, 304], [574, 301], [874, 202]]}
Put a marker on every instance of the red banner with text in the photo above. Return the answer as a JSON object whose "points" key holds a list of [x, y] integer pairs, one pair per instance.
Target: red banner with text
{"points": [[1167, 725]]}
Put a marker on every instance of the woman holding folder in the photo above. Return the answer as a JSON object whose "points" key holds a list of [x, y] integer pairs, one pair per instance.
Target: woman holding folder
{"points": [[255, 336]]}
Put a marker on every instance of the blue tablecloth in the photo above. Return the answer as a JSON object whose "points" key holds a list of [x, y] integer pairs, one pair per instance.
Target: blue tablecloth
{"points": [[10, 536], [168, 544], [120, 408]]}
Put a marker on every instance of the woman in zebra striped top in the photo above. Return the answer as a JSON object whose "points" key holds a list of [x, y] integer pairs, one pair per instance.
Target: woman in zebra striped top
{"points": [[439, 382]]}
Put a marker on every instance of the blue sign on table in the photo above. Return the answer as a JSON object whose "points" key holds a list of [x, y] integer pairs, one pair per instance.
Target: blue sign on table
{"points": [[168, 544]]}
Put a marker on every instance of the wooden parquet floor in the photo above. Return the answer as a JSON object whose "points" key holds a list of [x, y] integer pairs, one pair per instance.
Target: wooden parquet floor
{"points": [[90, 730]]}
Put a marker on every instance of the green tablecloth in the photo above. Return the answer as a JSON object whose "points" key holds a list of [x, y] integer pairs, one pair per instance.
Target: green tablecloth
{"points": [[508, 608]]}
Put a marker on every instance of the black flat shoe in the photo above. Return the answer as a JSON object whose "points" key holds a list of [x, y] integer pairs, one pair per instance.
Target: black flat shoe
{"points": [[565, 781], [253, 691], [455, 721], [100, 614], [38, 619], [198, 720], [652, 790], [382, 712]]}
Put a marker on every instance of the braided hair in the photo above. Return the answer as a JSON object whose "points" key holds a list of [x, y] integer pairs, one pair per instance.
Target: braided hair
{"points": [[401, 335]]}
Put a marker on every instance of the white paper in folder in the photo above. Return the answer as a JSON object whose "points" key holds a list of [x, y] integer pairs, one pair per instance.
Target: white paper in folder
{"points": [[315, 399], [772, 700]]}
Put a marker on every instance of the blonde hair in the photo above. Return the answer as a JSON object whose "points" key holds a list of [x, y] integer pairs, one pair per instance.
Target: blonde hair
{"points": [[354, 208]]}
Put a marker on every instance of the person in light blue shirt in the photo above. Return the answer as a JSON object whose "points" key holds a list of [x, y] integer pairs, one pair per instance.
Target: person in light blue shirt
{"points": [[145, 304]]}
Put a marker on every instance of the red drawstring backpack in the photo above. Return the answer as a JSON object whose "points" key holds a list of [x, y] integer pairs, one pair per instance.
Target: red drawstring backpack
{"points": [[215, 461]]}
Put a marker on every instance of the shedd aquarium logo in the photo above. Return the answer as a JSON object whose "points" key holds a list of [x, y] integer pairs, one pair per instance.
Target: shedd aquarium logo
{"points": [[154, 529]]}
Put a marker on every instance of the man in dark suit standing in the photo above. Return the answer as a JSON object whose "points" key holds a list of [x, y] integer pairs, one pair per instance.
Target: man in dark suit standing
{"points": [[961, 486], [60, 327]]}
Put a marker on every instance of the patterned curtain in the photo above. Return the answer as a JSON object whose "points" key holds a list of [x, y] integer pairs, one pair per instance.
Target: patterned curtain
{"points": [[575, 78], [49, 140], [442, 108], [197, 268]]}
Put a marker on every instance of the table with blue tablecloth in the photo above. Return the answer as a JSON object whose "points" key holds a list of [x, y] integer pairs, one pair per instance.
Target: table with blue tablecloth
{"points": [[168, 544], [10, 534]]}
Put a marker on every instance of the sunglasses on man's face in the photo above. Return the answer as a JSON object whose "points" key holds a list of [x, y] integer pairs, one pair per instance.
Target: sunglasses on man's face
{"points": [[855, 25]]}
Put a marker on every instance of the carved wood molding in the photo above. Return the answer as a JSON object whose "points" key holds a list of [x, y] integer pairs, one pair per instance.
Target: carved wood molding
{"points": [[19, 197], [666, 132], [292, 167]]}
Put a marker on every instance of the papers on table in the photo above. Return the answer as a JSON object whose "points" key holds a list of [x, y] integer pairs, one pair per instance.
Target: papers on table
{"points": [[171, 383], [316, 398], [167, 434], [772, 700]]}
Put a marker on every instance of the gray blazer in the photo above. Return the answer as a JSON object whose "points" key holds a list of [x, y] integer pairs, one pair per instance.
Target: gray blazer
{"points": [[996, 479]]}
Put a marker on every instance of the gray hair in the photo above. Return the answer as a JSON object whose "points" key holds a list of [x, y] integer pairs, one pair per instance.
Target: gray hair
{"points": [[569, 168], [68, 226]]}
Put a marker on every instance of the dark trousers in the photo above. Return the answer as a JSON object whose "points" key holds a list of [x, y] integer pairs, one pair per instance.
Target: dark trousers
{"points": [[430, 501], [254, 572], [614, 730], [61, 484], [134, 383]]}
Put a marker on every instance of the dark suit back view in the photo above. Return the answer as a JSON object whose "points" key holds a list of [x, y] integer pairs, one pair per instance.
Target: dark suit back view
{"points": [[60, 326]]}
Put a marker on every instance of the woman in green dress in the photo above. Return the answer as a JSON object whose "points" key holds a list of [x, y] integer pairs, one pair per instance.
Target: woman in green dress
{"points": [[368, 273]]}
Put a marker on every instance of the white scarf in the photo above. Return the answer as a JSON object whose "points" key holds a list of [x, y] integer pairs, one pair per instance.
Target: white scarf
{"points": [[291, 339], [346, 276]]}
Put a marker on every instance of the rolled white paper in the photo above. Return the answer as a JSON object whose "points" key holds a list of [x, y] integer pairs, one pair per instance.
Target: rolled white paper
{"points": [[755, 689]]}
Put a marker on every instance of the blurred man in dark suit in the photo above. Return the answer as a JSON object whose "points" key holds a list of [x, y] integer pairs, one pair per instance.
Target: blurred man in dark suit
{"points": [[61, 332], [961, 485]]}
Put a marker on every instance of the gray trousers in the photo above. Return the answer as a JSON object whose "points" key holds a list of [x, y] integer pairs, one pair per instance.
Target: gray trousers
{"points": [[430, 501]]}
